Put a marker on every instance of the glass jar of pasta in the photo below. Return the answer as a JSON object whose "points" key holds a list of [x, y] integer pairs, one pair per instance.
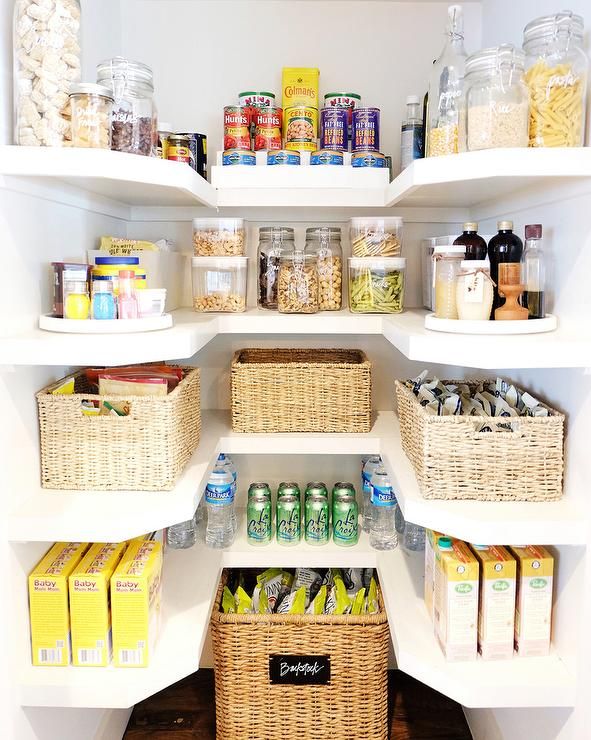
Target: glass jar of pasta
{"points": [[325, 243], [556, 74], [495, 100], [298, 283]]}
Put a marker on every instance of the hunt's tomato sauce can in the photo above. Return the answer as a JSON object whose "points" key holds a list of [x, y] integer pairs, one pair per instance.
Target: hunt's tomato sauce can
{"points": [[267, 132], [236, 128], [366, 130]]}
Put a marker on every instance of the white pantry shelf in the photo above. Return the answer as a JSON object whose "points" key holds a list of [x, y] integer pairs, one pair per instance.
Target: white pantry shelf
{"points": [[190, 579], [520, 682], [97, 516], [568, 346]]}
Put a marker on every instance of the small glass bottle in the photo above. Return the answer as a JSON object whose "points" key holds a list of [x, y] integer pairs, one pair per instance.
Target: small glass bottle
{"points": [[475, 244], [447, 267], [103, 300], [127, 302], [412, 135], [534, 273], [503, 247], [77, 303], [297, 290], [325, 244], [273, 240]]}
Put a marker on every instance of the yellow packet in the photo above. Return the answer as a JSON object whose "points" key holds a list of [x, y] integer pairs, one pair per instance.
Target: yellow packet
{"points": [[358, 602], [116, 247], [228, 602], [64, 388], [318, 602], [372, 598], [243, 601]]}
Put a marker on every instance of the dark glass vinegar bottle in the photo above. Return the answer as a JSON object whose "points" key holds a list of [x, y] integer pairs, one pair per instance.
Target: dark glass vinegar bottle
{"points": [[474, 243], [503, 247]]}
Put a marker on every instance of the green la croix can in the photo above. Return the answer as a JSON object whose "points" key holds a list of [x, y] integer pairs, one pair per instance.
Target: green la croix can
{"points": [[317, 530], [316, 488], [345, 521], [259, 529], [289, 520], [341, 489], [256, 488], [288, 489]]}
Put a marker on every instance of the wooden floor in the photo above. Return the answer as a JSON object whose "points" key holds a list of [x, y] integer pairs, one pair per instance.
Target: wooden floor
{"points": [[186, 711]]}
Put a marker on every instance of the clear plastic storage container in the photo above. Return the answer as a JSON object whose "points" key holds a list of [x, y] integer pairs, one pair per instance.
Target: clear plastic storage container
{"points": [[376, 237], [219, 237], [376, 284], [219, 284]]}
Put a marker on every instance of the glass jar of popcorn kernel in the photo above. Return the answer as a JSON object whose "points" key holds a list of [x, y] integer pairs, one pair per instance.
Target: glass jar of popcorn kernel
{"points": [[91, 108], [46, 47]]}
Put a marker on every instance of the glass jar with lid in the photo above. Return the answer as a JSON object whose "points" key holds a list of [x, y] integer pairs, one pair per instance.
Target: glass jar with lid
{"points": [[447, 268], [325, 243], [46, 47], [134, 122], [556, 74], [297, 290], [495, 100], [273, 240], [474, 291], [91, 107]]}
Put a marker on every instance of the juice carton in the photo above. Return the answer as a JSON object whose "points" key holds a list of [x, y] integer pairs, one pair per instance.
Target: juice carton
{"points": [[431, 539], [456, 599], [48, 603], [300, 86], [135, 604], [533, 613], [496, 611], [90, 613]]}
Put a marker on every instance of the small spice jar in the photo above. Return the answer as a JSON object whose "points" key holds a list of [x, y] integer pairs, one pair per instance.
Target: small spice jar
{"points": [[447, 267], [474, 291], [273, 241], [297, 290], [92, 107], [77, 301], [104, 306], [325, 243]]}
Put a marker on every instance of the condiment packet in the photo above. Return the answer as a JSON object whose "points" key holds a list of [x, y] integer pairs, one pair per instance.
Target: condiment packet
{"points": [[337, 601], [372, 598], [243, 602], [228, 602]]}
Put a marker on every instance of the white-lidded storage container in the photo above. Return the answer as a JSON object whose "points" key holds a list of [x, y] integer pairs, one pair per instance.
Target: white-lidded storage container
{"points": [[219, 284], [219, 237], [376, 236], [376, 284]]}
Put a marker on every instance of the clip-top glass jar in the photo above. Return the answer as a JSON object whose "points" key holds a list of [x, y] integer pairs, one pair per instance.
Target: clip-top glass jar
{"points": [[273, 240], [556, 75], [297, 290], [447, 267], [495, 102], [325, 243], [134, 121], [46, 62]]}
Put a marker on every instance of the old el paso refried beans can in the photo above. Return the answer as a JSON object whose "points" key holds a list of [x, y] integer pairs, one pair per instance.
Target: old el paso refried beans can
{"points": [[366, 130], [334, 129], [301, 127]]}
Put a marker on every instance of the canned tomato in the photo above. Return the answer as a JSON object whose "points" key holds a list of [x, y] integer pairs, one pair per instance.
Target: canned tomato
{"points": [[198, 147], [179, 149], [366, 130], [238, 156], [368, 159], [236, 128], [346, 101], [301, 127], [283, 156], [326, 156], [333, 129], [252, 102], [267, 132]]}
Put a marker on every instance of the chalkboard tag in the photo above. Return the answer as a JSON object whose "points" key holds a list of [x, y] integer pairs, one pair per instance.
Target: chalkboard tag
{"points": [[299, 670]]}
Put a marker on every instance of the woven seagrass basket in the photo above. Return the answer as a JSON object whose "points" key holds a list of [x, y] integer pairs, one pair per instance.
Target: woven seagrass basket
{"points": [[146, 450], [301, 390], [454, 460], [250, 706]]}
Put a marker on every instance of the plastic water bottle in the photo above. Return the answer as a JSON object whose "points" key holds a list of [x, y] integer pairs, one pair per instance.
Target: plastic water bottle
{"points": [[383, 535], [183, 535], [400, 520], [372, 464], [226, 460], [413, 538], [219, 501]]}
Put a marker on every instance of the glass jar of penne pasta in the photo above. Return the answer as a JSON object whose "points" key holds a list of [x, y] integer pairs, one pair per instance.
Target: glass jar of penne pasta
{"points": [[556, 74]]}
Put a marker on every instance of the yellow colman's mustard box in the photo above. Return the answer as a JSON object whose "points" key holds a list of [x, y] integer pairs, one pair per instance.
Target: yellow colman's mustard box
{"points": [[90, 613], [300, 86], [48, 603], [135, 604]]}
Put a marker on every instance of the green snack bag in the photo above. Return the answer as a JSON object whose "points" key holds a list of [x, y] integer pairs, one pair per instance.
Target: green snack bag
{"points": [[372, 597], [330, 575], [319, 602], [263, 605], [358, 602], [243, 601], [228, 602], [293, 603], [343, 602]]}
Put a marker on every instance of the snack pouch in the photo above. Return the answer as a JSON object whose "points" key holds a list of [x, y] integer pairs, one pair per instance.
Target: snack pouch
{"points": [[337, 601], [329, 576], [308, 578], [353, 579], [243, 602], [293, 603], [358, 602], [228, 602], [276, 584], [318, 604], [372, 597]]}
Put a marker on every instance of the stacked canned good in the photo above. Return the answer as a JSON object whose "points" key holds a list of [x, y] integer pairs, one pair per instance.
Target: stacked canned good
{"points": [[183, 146], [253, 124], [315, 520]]}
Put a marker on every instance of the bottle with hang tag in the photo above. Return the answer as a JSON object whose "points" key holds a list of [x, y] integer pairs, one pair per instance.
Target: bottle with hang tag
{"points": [[474, 291]]}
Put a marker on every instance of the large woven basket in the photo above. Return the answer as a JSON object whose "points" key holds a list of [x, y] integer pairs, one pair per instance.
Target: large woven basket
{"points": [[249, 707], [453, 460], [146, 450], [301, 390]]}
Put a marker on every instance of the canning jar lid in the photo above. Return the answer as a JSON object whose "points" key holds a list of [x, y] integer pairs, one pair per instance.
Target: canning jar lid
{"points": [[116, 261], [228, 224], [219, 263], [495, 57], [316, 232], [553, 25], [297, 256], [378, 263], [90, 88], [376, 223], [268, 233], [120, 68]]}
